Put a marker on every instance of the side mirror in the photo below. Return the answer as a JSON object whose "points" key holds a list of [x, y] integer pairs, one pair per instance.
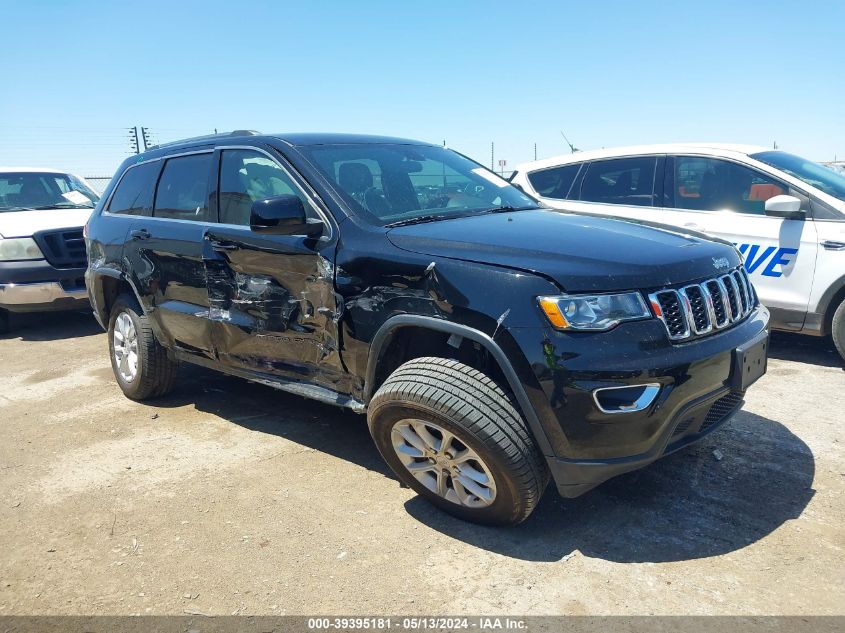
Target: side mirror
{"points": [[788, 207], [283, 215]]}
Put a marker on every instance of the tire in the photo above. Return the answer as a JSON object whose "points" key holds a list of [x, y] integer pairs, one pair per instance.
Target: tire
{"points": [[4, 321], [426, 399], [837, 329], [155, 372]]}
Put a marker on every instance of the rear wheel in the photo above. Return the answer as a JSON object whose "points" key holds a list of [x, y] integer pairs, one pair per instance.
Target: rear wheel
{"points": [[450, 433], [838, 329], [4, 321], [141, 365]]}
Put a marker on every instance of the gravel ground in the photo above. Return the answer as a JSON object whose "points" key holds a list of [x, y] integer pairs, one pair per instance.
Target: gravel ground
{"points": [[229, 497]]}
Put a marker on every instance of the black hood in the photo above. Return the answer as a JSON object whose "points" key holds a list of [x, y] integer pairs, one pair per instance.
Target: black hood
{"points": [[581, 253]]}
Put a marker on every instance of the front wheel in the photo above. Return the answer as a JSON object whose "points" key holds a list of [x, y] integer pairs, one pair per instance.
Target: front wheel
{"points": [[451, 434], [838, 328], [141, 365], [4, 321]]}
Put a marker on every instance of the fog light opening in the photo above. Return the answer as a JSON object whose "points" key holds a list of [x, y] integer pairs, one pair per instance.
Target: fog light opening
{"points": [[625, 399]]}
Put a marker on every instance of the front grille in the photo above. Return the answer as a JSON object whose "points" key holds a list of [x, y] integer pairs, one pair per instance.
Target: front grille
{"points": [[64, 248], [698, 309], [720, 410]]}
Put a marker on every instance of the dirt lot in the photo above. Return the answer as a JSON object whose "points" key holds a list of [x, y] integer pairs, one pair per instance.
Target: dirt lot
{"points": [[229, 497]]}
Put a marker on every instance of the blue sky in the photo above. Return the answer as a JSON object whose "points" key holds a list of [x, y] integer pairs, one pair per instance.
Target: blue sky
{"points": [[516, 73]]}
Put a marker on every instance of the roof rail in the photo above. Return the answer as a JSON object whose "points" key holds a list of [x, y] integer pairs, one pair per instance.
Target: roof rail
{"points": [[206, 137]]}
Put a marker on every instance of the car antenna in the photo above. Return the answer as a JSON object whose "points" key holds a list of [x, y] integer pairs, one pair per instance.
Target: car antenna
{"points": [[571, 146]]}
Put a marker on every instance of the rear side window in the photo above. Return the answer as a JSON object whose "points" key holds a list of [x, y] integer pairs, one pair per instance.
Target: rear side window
{"points": [[134, 192], [182, 192], [555, 182], [620, 181]]}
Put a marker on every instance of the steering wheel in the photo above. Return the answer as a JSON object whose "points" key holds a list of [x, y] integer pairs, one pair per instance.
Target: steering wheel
{"points": [[375, 203]]}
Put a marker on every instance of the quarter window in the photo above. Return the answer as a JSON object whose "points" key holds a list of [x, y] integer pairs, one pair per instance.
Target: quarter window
{"points": [[710, 184], [555, 182], [182, 192], [247, 176], [620, 181], [134, 192]]}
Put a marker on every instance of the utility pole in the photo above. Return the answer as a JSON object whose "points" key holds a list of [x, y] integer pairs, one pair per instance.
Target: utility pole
{"points": [[147, 138], [133, 140], [535, 151], [492, 156]]}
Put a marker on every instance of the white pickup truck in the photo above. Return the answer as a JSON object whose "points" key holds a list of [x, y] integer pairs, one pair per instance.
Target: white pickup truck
{"points": [[42, 250], [785, 214]]}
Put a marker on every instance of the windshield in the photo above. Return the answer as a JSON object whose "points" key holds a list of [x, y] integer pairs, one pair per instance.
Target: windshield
{"points": [[402, 184], [27, 191], [818, 176]]}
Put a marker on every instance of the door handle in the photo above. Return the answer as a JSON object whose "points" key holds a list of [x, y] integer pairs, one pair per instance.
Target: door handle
{"points": [[139, 234], [693, 226], [224, 246], [833, 245]]}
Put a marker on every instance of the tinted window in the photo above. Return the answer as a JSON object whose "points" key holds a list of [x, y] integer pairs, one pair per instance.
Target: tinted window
{"points": [[134, 192], [711, 184], [182, 192], [555, 182], [620, 181], [394, 183], [247, 176]]}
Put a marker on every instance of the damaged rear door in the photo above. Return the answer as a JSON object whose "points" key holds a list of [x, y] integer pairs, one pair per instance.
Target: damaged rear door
{"points": [[272, 299]]}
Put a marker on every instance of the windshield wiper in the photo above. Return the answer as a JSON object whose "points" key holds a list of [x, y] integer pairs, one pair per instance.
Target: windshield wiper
{"points": [[422, 219], [61, 205], [506, 208]]}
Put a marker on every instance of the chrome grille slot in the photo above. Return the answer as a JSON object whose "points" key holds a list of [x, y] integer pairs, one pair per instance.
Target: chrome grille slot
{"points": [[749, 289], [732, 292], [698, 309], [717, 296], [743, 292], [672, 313]]}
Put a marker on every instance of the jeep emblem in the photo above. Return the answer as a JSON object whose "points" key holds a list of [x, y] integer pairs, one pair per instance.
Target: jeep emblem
{"points": [[721, 262]]}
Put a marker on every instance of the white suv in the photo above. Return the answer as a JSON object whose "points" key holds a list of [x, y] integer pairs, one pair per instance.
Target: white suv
{"points": [[785, 214], [42, 250]]}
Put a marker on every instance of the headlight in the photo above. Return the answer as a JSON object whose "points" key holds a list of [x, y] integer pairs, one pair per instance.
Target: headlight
{"points": [[593, 312], [19, 248]]}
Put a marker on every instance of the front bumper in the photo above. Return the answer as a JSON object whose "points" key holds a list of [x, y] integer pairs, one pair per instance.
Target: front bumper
{"points": [[695, 420], [37, 286], [588, 445]]}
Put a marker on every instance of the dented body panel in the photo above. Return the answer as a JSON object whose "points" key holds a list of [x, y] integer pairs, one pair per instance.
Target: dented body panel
{"points": [[273, 306]]}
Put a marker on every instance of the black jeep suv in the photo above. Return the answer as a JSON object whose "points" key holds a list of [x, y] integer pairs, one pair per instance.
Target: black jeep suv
{"points": [[490, 342]]}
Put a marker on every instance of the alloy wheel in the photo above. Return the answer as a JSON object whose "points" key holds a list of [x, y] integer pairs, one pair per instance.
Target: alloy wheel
{"points": [[440, 461]]}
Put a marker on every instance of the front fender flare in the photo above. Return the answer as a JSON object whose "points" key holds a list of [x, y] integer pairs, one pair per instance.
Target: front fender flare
{"points": [[394, 324]]}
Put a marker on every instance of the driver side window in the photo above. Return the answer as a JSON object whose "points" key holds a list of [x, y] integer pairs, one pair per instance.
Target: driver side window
{"points": [[247, 176]]}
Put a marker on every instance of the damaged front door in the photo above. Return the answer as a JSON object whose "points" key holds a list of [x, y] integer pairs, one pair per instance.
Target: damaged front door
{"points": [[272, 299]]}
